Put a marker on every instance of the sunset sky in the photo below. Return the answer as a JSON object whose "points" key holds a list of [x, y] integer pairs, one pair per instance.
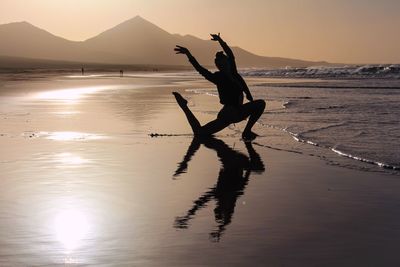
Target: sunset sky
{"points": [[347, 31]]}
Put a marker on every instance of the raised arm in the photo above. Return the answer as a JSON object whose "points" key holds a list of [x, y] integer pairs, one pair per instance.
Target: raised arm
{"points": [[203, 71], [226, 48], [231, 56]]}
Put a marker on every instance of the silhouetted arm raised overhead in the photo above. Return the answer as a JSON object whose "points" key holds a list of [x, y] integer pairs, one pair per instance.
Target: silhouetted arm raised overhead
{"points": [[226, 48], [203, 71], [229, 53]]}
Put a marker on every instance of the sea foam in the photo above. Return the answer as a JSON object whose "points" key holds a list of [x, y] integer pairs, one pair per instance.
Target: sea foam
{"points": [[340, 72]]}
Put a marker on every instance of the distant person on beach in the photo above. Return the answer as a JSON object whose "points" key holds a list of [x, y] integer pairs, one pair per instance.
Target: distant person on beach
{"points": [[121, 73], [231, 87], [83, 71]]}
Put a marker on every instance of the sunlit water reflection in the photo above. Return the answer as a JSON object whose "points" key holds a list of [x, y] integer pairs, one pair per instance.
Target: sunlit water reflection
{"points": [[71, 227], [70, 95], [70, 136], [69, 160]]}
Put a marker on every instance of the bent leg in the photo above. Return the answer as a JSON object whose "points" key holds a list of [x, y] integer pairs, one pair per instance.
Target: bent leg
{"points": [[213, 127], [208, 129], [257, 110], [253, 110]]}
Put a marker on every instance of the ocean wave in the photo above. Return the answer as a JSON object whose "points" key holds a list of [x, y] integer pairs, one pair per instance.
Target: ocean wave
{"points": [[330, 107], [323, 128], [301, 137], [204, 91], [363, 71], [380, 164], [286, 104]]}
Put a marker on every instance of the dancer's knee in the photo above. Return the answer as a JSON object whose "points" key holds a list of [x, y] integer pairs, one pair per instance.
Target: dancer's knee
{"points": [[260, 104]]}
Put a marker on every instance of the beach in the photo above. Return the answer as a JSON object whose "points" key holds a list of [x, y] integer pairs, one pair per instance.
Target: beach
{"points": [[100, 170]]}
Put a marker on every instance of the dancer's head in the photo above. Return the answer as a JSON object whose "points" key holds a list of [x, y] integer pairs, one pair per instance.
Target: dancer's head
{"points": [[221, 61]]}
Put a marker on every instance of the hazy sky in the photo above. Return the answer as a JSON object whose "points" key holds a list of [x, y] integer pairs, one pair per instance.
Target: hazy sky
{"points": [[348, 31]]}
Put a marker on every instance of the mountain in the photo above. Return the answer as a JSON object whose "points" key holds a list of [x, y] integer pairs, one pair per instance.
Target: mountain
{"points": [[138, 41], [22, 39], [135, 41]]}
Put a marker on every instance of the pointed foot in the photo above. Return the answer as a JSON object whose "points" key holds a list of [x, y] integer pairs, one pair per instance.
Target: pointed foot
{"points": [[179, 99]]}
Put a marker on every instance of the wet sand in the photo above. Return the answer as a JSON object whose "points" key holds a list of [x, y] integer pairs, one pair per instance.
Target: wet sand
{"points": [[83, 183]]}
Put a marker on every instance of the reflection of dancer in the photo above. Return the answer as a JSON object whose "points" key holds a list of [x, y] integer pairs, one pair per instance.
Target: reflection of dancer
{"points": [[231, 87], [230, 185]]}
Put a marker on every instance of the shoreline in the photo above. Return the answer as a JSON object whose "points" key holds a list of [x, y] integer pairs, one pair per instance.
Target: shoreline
{"points": [[330, 153]]}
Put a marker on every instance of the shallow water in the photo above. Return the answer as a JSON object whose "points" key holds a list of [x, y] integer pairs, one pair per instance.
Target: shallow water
{"points": [[356, 119], [83, 183]]}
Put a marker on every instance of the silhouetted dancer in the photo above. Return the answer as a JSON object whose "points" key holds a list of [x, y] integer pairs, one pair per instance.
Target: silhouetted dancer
{"points": [[83, 71], [121, 73], [231, 87], [232, 179]]}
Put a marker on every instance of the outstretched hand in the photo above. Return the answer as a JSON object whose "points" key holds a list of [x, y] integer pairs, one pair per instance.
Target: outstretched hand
{"points": [[181, 50], [215, 37]]}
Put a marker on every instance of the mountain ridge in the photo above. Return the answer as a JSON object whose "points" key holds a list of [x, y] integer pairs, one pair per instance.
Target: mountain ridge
{"points": [[134, 41]]}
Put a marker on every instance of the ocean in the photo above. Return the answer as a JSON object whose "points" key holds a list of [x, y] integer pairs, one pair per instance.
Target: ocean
{"points": [[348, 116]]}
